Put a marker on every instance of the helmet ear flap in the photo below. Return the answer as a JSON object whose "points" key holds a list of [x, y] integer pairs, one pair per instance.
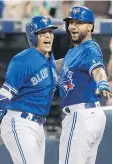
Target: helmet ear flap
{"points": [[32, 38], [32, 43]]}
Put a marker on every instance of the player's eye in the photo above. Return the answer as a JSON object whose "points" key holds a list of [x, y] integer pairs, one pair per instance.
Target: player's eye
{"points": [[46, 31]]}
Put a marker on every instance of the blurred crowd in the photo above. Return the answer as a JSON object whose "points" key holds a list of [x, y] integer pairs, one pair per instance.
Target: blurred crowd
{"points": [[18, 9]]}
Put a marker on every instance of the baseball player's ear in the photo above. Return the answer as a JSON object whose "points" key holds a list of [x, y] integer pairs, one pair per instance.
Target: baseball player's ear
{"points": [[90, 27]]}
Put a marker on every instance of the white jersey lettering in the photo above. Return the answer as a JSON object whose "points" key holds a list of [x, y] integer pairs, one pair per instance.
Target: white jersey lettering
{"points": [[39, 77]]}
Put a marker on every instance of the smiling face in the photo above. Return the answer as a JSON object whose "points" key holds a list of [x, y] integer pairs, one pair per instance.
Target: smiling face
{"points": [[79, 31], [45, 41]]}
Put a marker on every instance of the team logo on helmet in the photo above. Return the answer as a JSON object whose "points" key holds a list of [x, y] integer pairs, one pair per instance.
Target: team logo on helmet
{"points": [[76, 10], [45, 20]]}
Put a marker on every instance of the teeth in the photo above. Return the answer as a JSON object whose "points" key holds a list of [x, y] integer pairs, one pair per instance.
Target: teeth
{"points": [[74, 32]]}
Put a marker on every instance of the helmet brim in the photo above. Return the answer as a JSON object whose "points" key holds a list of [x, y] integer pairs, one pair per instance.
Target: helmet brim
{"points": [[67, 19], [52, 27], [49, 27]]}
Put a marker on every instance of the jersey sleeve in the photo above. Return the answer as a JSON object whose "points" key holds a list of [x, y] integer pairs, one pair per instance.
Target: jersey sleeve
{"points": [[94, 59], [15, 77]]}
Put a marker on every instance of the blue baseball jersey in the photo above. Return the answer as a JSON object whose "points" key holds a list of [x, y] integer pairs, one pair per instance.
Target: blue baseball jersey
{"points": [[31, 78], [77, 84]]}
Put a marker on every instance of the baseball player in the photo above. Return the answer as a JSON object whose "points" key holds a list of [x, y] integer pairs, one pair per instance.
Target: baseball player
{"points": [[27, 93], [83, 79]]}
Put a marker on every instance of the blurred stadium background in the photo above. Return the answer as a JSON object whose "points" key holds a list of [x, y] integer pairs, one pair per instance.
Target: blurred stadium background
{"points": [[13, 17]]}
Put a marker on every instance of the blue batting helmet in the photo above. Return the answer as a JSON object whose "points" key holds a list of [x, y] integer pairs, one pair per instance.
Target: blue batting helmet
{"points": [[82, 14], [37, 24]]}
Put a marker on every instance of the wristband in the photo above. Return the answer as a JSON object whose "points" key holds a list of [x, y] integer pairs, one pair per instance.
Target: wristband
{"points": [[103, 85]]}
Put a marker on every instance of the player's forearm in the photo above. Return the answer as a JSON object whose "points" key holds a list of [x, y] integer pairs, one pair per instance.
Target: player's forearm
{"points": [[58, 64], [99, 74]]}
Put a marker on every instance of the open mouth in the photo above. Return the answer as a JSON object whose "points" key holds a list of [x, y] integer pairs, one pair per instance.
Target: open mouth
{"points": [[74, 33], [47, 43]]}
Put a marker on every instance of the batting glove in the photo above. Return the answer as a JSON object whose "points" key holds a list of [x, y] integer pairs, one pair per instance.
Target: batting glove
{"points": [[102, 85]]}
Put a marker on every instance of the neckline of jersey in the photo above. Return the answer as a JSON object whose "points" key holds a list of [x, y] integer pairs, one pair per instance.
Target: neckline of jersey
{"points": [[85, 42], [41, 54]]}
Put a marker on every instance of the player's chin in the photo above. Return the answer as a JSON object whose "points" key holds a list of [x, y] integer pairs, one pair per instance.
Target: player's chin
{"points": [[48, 48], [74, 38]]}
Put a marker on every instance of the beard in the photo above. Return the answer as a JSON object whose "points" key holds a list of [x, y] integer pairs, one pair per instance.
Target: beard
{"points": [[80, 38]]}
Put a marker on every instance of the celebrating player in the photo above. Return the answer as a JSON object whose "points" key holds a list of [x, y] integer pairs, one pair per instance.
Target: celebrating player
{"points": [[27, 94], [83, 79]]}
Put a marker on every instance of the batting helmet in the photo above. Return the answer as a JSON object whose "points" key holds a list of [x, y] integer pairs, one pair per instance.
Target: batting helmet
{"points": [[80, 13], [37, 24]]}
